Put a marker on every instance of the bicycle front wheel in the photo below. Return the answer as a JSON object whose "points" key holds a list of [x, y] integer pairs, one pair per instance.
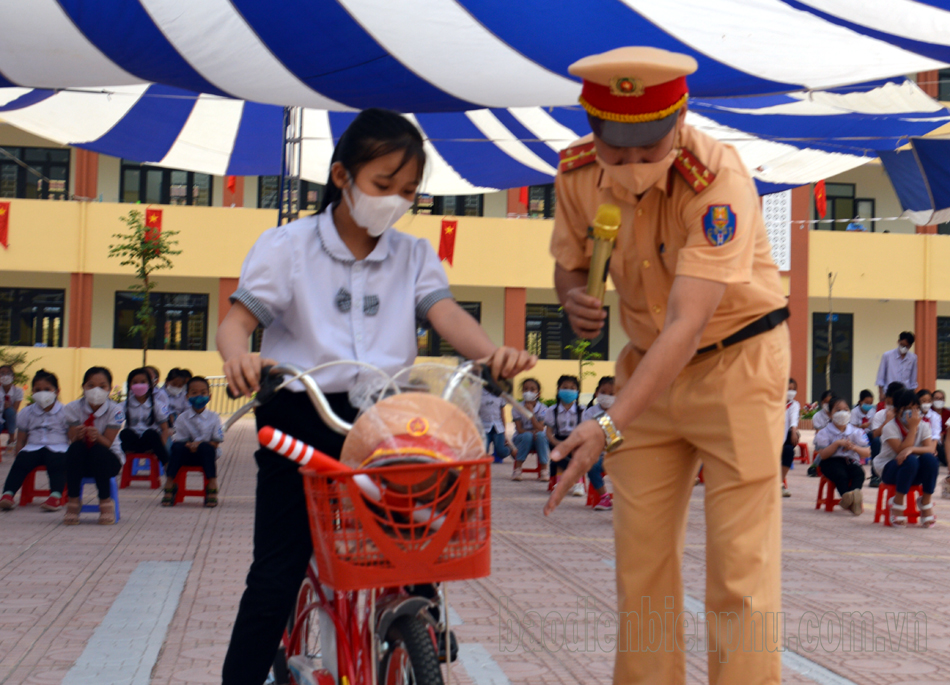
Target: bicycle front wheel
{"points": [[411, 658]]}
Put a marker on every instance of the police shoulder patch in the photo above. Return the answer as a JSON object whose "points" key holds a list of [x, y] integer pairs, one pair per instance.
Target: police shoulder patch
{"points": [[719, 224], [694, 172], [576, 157]]}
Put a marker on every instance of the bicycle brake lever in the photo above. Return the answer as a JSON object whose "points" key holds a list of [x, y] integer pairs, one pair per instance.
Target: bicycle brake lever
{"points": [[495, 389]]}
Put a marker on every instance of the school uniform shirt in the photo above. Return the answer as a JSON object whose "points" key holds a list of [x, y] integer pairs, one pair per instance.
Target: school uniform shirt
{"points": [[563, 420], [933, 418], [880, 418], [318, 303], [109, 415], [190, 426], [44, 428], [793, 413], [861, 420], [138, 413], [594, 411], [11, 396], [524, 425], [820, 420], [489, 411], [892, 431], [831, 433], [177, 404]]}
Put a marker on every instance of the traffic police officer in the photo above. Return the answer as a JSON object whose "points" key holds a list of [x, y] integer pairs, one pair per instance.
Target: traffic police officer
{"points": [[702, 379]]}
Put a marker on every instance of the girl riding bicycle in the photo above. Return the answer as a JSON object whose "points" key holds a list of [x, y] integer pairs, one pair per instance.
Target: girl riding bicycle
{"points": [[340, 285]]}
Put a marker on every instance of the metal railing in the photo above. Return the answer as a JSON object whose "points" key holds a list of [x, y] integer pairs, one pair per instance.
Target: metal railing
{"points": [[220, 402]]}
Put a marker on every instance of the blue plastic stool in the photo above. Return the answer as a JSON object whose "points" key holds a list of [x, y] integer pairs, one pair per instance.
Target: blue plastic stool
{"points": [[113, 493]]}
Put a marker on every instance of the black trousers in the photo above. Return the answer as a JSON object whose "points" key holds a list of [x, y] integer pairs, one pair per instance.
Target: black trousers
{"points": [[282, 544], [55, 463], [844, 473], [149, 441], [97, 462], [204, 456]]}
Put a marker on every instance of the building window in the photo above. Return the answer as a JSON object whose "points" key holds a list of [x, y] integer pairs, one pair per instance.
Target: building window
{"points": [[431, 344], [843, 206], [842, 357], [31, 316], [268, 189], [449, 205], [181, 321], [943, 88], [19, 167], [541, 201], [548, 332], [156, 186], [943, 347]]}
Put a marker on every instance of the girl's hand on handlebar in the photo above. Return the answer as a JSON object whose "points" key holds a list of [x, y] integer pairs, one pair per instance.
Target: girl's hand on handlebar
{"points": [[507, 362], [243, 373]]}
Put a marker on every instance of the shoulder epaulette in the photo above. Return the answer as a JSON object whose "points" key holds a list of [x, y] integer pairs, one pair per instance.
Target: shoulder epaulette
{"points": [[576, 157], [693, 171]]}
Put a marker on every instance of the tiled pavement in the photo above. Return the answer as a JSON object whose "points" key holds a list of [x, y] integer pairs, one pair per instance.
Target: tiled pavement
{"points": [[58, 583]]}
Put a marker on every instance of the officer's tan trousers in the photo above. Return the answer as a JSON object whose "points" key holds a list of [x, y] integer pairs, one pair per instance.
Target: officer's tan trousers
{"points": [[726, 410]]}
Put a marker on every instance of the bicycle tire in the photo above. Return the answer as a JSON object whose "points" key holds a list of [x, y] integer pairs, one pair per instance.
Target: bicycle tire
{"points": [[411, 658], [279, 667]]}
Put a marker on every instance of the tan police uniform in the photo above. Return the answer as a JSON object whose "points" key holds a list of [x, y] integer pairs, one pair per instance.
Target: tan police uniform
{"points": [[725, 409]]}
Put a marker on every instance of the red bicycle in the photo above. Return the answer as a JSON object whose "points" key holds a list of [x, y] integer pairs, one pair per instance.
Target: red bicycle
{"points": [[406, 508]]}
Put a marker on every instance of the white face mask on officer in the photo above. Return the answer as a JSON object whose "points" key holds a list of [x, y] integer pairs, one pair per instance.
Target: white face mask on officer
{"points": [[375, 213]]}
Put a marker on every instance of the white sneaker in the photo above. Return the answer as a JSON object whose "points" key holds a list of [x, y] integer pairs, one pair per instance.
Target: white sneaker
{"points": [[786, 492], [516, 474], [578, 490]]}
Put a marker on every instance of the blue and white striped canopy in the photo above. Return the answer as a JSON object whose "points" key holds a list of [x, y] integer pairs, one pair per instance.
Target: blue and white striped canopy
{"points": [[784, 139]]}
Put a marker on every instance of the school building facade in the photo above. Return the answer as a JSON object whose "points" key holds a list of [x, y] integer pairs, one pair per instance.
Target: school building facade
{"points": [[59, 288]]}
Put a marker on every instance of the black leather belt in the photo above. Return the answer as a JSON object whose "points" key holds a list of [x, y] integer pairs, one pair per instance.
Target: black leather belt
{"points": [[763, 325]]}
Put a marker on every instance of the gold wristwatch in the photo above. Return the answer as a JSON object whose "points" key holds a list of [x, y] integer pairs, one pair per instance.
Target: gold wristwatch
{"points": [[612, 437]]}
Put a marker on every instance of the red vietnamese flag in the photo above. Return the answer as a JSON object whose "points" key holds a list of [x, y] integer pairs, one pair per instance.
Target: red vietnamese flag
{"points": [[4, 224], [821, 201], [447, 240], [153, 225]]}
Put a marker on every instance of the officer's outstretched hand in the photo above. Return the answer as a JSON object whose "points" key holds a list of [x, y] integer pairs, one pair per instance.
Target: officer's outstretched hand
{"points": [[585, 313], [586, 442]]}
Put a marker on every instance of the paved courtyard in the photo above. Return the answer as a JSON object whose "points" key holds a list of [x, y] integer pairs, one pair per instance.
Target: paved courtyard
{"points": [[151, 599]]}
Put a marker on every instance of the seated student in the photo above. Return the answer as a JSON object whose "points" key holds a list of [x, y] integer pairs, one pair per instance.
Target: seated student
{"points": [[176, 391], [602, 401], [146, 416], [925, 397], [940, 406], [12, 397], [823, 417], [863, 412], [41, 441], [907, 459], [842, 446], [156, 376], [793, 412], [94, 452], [877, 426], [530, 434], [561, 419], [492, 413], [197, 436]]}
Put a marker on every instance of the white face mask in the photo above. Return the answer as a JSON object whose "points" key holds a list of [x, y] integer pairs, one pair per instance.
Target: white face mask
{"points": [[375, 213], [903, 349], [606, 401], [925, 407], [44, 398], [96, 397], [530, 396], [791, 395], [173, 391], [6, 380], [841, 418], [938, 404]]}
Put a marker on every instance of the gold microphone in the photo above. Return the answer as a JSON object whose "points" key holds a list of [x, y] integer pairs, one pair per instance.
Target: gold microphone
{"points": [[604, 232]]}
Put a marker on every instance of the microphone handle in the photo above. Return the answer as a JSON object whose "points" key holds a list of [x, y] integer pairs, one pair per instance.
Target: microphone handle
{"points": [[599, 268]]}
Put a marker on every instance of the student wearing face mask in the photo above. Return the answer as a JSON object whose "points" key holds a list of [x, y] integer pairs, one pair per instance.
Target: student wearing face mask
{"points": [[940, 406], [602, 400], [177, 393], [823, 417], [561, 419], [898, 365], [907, 459], [877, 427], [793, 413], [342, 284], [491, 410], [94, 450], [41, 441], [530, 434], [927, 413], [842, 446], [12, 397], [198, 435], [863, 412]]}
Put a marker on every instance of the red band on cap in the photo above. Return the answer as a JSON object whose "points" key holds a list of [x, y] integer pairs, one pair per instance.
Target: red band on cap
{"points": [[655, 102]]}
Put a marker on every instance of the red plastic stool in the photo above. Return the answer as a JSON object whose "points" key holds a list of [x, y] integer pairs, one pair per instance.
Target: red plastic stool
{"points": [[181, 480], [826, 493], [31, 492], [153, 475], [538, 465], [884, 494], [803, 454]]}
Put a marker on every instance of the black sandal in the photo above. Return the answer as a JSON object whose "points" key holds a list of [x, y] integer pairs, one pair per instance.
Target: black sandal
{"points": [[211, 497], [168, 499]]}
